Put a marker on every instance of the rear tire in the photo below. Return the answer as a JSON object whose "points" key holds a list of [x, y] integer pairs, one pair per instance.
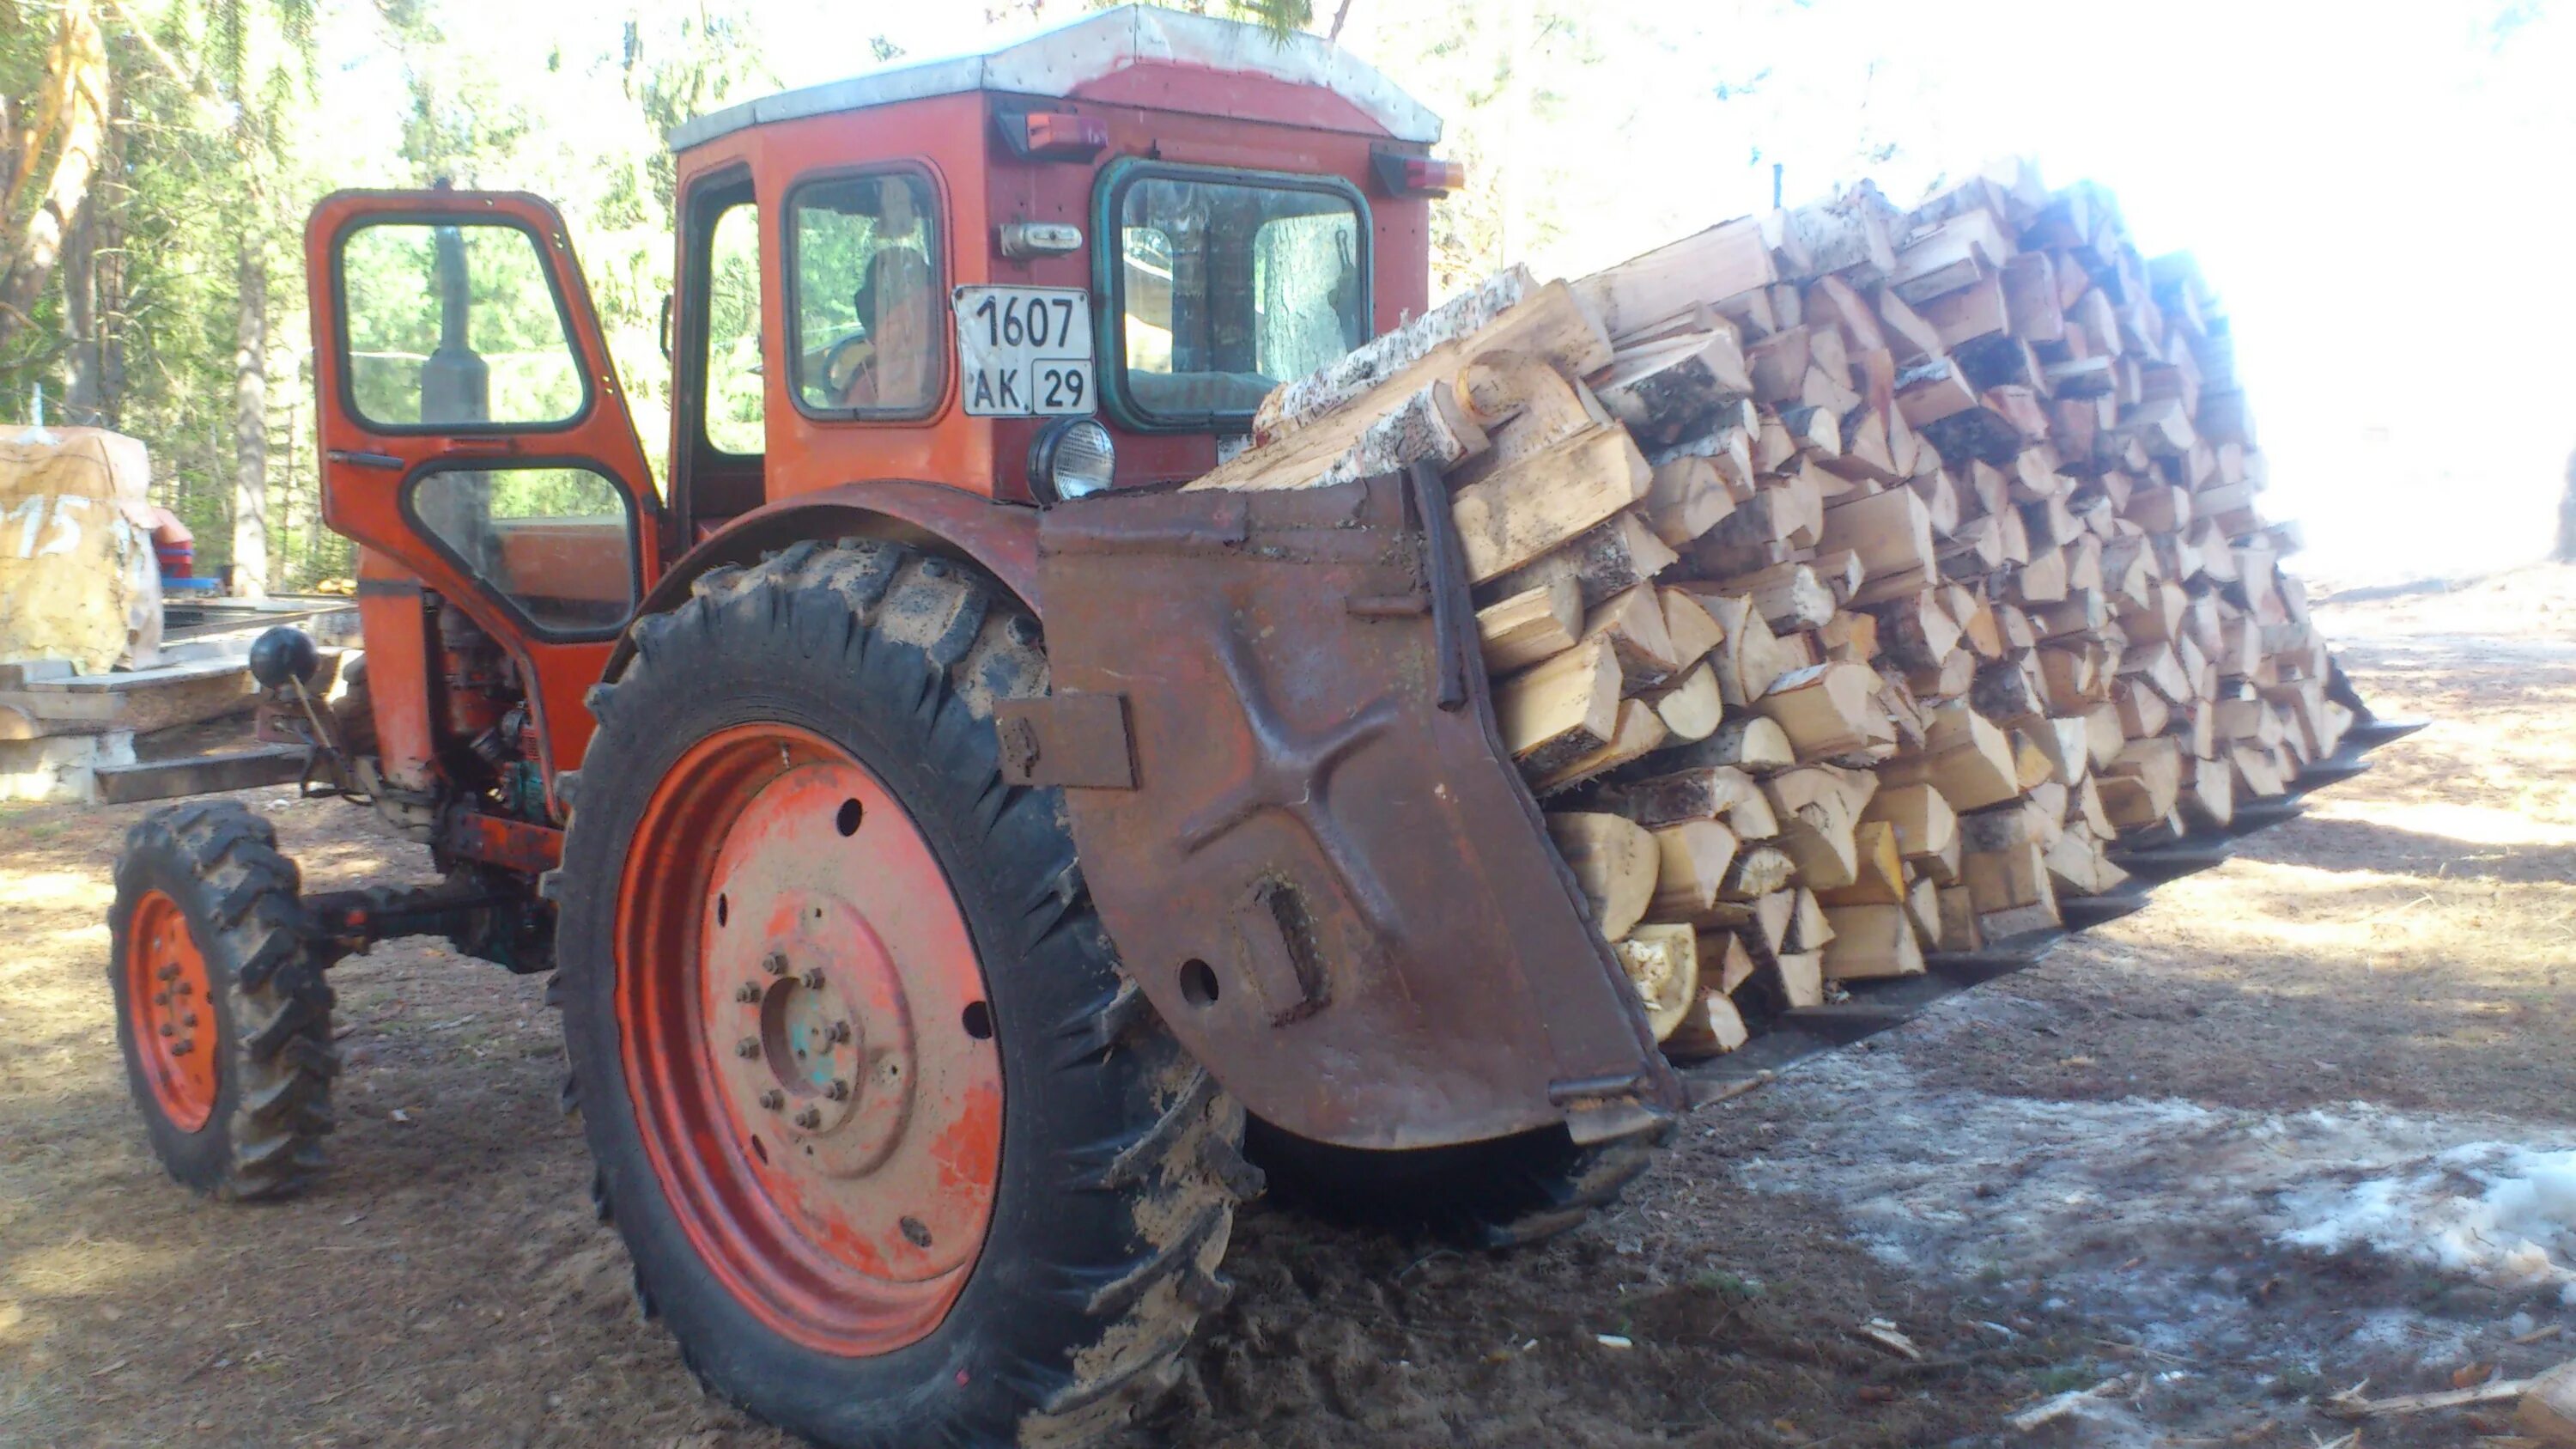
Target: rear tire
{"points": [[1111, 1198], [222, 1014]]}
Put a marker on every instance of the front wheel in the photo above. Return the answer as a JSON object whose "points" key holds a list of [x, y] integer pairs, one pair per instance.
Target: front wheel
{"points": [[898, 1155], [221, 1010]]}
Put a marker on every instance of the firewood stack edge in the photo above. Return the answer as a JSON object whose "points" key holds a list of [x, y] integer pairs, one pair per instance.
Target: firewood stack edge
{"points": [[1851, 579]]}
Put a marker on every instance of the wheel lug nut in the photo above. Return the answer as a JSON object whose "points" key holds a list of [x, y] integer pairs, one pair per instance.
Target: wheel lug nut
{"points": [[747, 1048], [839, 1091], [183, 1048], [160, 998], [747, 992], [170, 972], [775, 963], [837, 1032], [773, 1099], [809, 1119], [812, 979], [168, 1030], [188, 1020]]}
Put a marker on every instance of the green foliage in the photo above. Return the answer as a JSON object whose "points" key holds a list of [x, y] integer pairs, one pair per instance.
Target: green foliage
{"points": [[232, 117]]}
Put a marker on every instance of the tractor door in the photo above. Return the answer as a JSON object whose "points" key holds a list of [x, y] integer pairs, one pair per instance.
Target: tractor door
{"points": [[474, 436]]}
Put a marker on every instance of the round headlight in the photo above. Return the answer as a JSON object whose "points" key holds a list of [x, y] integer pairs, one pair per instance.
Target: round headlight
{"points": [[1071, 458]]}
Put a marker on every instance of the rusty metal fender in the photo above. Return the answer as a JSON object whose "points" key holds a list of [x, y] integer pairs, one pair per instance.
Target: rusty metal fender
{"points": [[999, 538], [1298, 820]]}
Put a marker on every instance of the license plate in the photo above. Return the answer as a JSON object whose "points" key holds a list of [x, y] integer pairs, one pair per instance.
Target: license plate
{"points": [[1024, 351]]}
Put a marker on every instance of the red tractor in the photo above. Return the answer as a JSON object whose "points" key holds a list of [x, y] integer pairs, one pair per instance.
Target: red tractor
{"points": [[944, 832]]}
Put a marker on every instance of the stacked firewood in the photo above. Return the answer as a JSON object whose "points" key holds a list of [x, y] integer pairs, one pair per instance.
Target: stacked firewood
{"points": [[1851, 578]]}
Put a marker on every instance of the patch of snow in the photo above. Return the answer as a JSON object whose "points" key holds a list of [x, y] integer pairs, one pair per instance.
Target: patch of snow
{"points": [[2166, 1218], [2495, 1211]]}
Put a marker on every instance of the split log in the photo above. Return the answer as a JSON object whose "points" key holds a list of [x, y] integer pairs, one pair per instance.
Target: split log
{"points": [[1614, 860], [1643, 291], [1677, 388], [1826, 710], [1871, 943], [1633, 625], [1692, 860], [1528, 508], [1562, 709], [1922, 818], [1530, 625], [1613, 557], [1691, 706], [1509, 312], [1662, 962], [1639, 732], [1705, 793]]}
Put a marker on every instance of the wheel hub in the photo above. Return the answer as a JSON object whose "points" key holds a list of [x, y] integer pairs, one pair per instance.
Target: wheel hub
{"points": [[823, 1040], [170, 1003], [807, 1042]]}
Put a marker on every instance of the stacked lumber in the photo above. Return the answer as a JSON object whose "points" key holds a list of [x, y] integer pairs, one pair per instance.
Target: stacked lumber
{"points": [[1851, 578]]}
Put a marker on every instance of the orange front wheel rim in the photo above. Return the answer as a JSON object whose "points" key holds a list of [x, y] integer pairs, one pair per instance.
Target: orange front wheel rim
{"points": [[170, 1010], [806, 1040]]}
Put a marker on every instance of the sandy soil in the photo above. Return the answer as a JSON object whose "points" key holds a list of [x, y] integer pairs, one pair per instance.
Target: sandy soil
{"points": [[2229, 1152]]}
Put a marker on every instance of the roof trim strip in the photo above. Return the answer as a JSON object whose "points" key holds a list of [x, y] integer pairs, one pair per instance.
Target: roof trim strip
{"points": [[1060, 61]]}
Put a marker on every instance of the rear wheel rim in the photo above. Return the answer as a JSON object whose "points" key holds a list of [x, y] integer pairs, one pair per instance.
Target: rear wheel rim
{"points": [[170, 1005], [806, 1040]]}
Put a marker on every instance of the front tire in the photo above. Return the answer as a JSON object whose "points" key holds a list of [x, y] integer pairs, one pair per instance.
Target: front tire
{"points": [[222, 1014], [898, 1154]]}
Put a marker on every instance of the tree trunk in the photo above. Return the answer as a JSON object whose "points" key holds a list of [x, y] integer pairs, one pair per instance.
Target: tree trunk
{"points": [[2567, 516], [82, 398], [250, 425], [1511, 187], [71, 124], [107, 266]]}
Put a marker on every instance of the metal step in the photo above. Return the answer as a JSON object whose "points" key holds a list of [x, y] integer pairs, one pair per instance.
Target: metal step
{"points": [[201, 774], [2344, 764], [2370, 734], [2083, 913], [1976, 968], [2172, 862], [2253, 815]]}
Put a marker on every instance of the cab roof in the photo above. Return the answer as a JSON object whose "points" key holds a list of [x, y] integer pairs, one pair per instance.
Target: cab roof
{"points": [[1060, 62]]}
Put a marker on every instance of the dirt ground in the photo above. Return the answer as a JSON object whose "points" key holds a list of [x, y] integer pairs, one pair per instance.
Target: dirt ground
{"points": [[2309, 1120]]}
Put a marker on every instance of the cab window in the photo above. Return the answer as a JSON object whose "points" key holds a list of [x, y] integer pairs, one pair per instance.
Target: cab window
{"points": [[733, 422], [555, 542], [1229, 284], [867, 302], [455, 326]]}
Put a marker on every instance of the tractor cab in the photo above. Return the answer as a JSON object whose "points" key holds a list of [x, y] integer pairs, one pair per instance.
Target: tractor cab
{"points": [[1146, 219], [1079, 261]]}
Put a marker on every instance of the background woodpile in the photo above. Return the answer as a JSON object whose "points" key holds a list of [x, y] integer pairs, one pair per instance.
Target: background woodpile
{"points": [[1851, 578]]}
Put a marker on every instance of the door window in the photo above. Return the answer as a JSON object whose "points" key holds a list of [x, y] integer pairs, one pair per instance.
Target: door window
{"points": [[556, 543], [866, 297], [454, 327]]}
